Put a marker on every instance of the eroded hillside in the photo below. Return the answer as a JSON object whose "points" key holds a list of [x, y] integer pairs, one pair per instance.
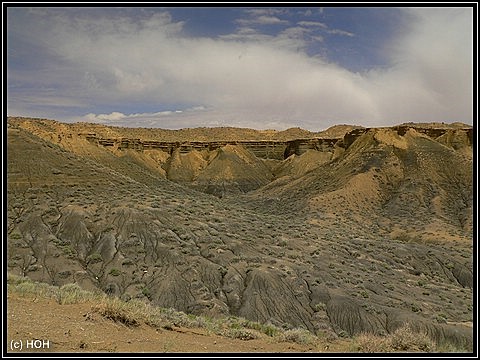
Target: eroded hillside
{"points": [[348, 231]]}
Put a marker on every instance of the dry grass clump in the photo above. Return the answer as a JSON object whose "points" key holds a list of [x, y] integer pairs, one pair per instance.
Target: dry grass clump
{"points": [[404, 339], [119, 311], [24, 287], [67, 294], [369, 343], [72, 294], [299, 336]]}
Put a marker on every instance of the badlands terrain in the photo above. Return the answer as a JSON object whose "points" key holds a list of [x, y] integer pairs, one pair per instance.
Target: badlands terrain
{"points": [[340, 233]]}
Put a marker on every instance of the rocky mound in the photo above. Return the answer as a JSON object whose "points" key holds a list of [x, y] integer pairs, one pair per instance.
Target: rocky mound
{"points": [[232, 170], [380, 180]]}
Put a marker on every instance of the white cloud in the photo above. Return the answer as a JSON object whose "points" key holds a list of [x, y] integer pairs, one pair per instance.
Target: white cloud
{"points": [[323, 27], [121, 118], [432, 74], [263, 20], [189, 117], [340, 32], [254, 79], [248, 34], [265, 12], [114, 116], [290, 38], [313, 23]]}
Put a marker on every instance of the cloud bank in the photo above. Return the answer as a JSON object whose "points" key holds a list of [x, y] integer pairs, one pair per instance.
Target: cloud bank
{"points": [[249, 78]]}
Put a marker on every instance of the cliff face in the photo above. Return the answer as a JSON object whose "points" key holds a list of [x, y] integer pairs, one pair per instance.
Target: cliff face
{"points": [[280, 150], [265, 149]]}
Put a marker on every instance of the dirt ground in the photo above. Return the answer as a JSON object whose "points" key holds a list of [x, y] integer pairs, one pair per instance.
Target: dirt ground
{"points": [[76, 329]]}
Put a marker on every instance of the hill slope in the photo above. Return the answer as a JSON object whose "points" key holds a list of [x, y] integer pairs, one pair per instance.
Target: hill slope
{"points": [[373, 235]]}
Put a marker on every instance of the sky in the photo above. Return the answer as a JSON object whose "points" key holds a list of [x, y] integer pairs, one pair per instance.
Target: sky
{"points": [[256, 67]]}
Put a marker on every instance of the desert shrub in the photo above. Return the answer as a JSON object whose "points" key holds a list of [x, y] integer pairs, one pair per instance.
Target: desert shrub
{"points": [[147, 293], [451, 348], [320, 307], [242, 334], [118, 311], [67, 294], [270, 330], [69, 252], [441, 318], [15, 279], [15, 236], [421, 283], [94, 258], [369, 343], [299, 336], [181, 319], [72, 294], [25, 286], [404, 339], [115, 272], [364, 293], [416, 308]]}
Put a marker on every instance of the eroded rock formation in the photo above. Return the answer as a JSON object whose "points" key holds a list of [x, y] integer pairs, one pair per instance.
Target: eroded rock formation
{"points": [[360, 233]]}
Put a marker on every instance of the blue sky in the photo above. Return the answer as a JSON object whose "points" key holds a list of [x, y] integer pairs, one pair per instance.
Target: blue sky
{"points": [[258, 67]]}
